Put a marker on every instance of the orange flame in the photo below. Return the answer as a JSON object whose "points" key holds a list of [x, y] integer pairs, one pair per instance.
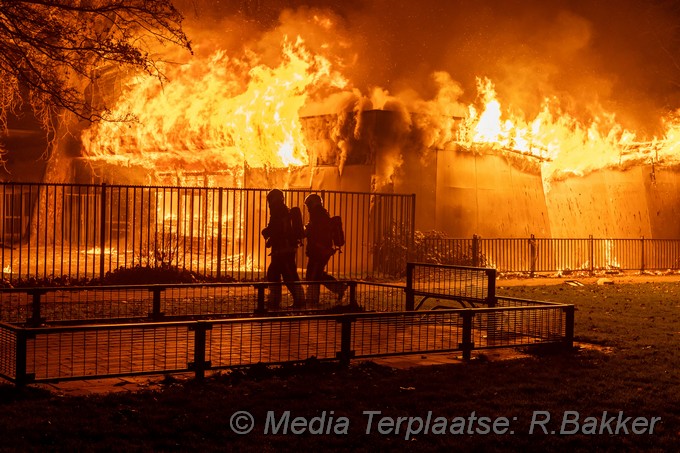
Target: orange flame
{"points": [[223, 113], [564, 144], [217, 112]]}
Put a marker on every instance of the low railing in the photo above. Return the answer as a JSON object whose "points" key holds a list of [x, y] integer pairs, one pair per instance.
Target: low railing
{"points": [[158, 302], [462, 284], [533, 255], [44, 354], [50, 305], [375, 319]]}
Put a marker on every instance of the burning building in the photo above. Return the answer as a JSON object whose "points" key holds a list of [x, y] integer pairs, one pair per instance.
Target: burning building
{"points": [[505, 119]]}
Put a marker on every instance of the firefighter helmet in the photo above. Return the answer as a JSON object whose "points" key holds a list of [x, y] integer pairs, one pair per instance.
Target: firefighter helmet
{"points": [[313, 200], [275, 195]]}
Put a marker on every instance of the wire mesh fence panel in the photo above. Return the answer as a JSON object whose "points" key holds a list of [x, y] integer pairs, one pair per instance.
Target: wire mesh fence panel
{"points": [[209, 300], [76, 352], [79, 352], [15, 307], [518, 327], [95, 304], [381, 297], [406, 333], [462, 281], [8, 350], [249, 342], [431, 286]]}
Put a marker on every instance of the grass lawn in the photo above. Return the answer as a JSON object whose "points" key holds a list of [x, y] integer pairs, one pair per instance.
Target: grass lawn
{"points": [[633, 372]]}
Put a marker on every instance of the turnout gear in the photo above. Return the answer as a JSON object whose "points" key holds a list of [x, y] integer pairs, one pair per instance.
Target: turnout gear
{"points": [[280, 237]]}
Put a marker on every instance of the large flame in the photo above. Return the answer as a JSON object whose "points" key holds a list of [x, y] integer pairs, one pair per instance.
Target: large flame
{"points": [[564, 144], [219, 112], [223, 112]]}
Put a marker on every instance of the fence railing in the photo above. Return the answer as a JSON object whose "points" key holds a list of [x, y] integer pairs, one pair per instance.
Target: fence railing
{"points": [[376, 324], [44, 354], [463, 284], [532, 255], [158, 302], [74, 232]]}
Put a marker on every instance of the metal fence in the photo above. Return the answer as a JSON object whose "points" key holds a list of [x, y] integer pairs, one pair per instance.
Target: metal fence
{"points": [[80, 343], [532, 255], [157, 302], [43, 354], [75, 232], [106, 304], [464, 284]]}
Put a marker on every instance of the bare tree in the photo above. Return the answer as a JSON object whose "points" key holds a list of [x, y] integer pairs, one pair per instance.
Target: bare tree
{"points": [[49, 50]]}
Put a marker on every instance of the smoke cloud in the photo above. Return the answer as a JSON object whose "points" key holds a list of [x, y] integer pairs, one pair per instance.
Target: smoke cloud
{"points": [[617, 56]]}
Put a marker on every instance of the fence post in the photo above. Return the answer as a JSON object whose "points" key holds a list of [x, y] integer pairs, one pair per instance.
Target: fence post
{"points": [[412, 239], [491, 300], [102, 232], [260, 309], [491, 283], [156, 313], [475, 250], [532, 256], [642, 254], [591, 252], [569, 327], [219, 233], [353, 294], [199, 365], [36, 319], [467, 345], [410, 297], [345, 353], [21, 377]]}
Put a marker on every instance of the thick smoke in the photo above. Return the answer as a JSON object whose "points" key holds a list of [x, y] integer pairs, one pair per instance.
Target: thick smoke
{"points": [[618, 56]]}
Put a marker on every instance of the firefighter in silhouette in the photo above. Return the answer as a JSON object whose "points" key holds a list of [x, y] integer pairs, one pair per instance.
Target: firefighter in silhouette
{"points": [[321, 246], [280, 236]]}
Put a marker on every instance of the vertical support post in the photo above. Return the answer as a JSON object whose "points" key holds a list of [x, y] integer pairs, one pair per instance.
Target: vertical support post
{"points": [[491, 302], [260, 309], [533, 253], [475, 250], [412, 239], [591, 254], [467, 345], [219, 233], [569, 327], [410, 296], [353, 294], [36, 319], [642, 254], [345, 354], [491, 291], [21, 378], [156, 313], [199, 365], [102, 232]]}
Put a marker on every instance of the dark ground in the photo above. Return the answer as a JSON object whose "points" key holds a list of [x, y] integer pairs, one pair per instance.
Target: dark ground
{"points": [[627, 364]]}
